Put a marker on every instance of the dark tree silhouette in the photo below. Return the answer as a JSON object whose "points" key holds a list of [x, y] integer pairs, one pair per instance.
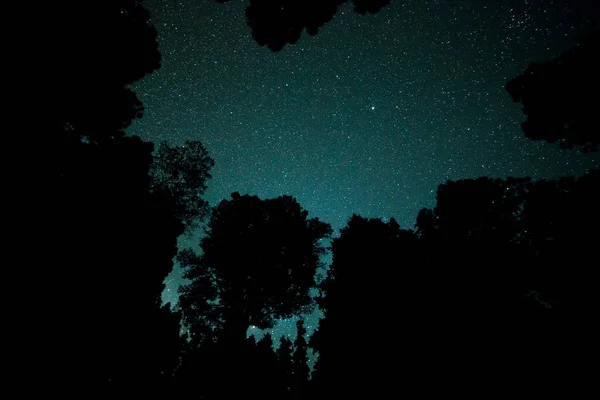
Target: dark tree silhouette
{"points": [[261, 255], [560, 97], [483, 292], [276, 23], [92, 313], [505, 219], [84, 50], [293, 369], [470, 242], [365, 301], [114, 241], [511, 262], [215, 371], [559, 226], [286, 365], [471, 216], [497, 285], [182, 172], [300, 369], [262, 370], [369, 6]]}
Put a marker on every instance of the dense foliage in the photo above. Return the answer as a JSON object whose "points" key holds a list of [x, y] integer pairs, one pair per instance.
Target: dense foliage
{"points": [[495, 290]]}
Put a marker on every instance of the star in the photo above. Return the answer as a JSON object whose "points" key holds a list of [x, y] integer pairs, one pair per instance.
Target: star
{"points": [[441, 69]]}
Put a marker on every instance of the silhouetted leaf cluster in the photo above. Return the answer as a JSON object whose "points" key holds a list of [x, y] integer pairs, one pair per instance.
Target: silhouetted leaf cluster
{"points": [[262, 256], [497, 285], [95, 52], [92, 314], [560, 97], [183, 172], [276, 23]]}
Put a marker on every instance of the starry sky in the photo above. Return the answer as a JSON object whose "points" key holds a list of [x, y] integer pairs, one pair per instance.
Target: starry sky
{"points": [[366, 117]]}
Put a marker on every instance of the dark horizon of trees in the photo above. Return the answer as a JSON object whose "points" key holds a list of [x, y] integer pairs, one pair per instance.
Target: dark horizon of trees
{"points": [[495, 285]]}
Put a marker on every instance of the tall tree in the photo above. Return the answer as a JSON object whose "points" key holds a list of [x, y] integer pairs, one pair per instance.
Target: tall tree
{"points": [[93, 313], [367, 295], [262, 256]]}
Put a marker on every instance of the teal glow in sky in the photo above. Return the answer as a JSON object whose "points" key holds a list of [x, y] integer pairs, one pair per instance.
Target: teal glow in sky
{"points": [[369, 115]]}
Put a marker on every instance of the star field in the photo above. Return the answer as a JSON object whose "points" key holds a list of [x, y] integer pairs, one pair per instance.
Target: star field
{"points": [[366, 117]]}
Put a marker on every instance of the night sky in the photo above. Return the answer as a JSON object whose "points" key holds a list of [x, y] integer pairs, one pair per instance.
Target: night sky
{"points": [[366, 117]]}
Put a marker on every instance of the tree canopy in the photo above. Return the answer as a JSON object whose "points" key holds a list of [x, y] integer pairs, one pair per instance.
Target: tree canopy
{"points": [[560, 98], [488, 279], [497, 284], [370, 271], [182, 172], [275, 23], [107, 236], [262, 256]]}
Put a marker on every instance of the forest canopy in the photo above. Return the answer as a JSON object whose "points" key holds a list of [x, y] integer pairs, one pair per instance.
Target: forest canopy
{"points": [[495, 284]]}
